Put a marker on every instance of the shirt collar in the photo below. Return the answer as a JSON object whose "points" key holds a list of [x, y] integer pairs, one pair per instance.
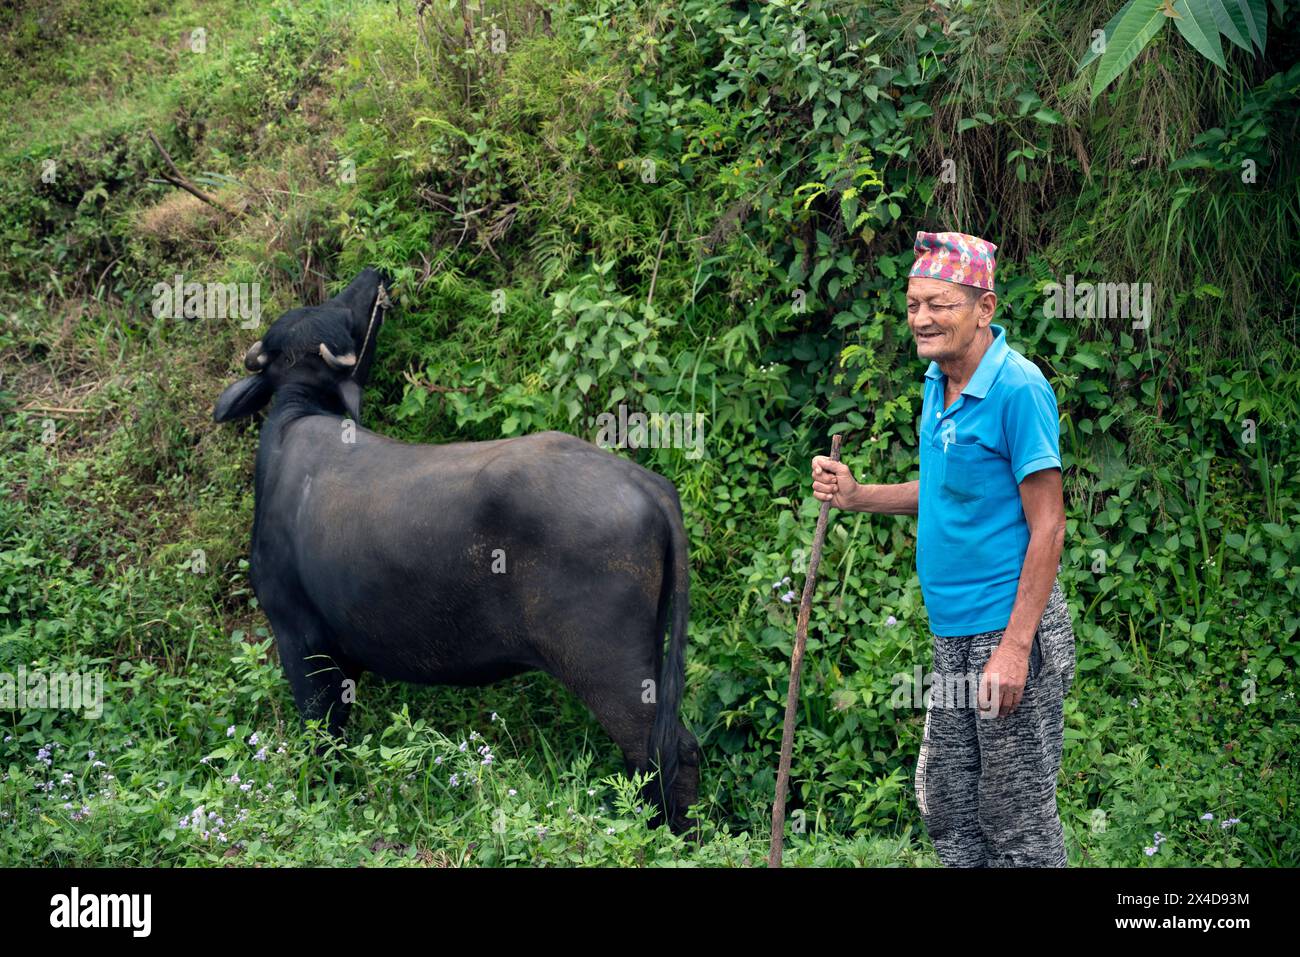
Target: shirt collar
{"points": [[987, 371]]}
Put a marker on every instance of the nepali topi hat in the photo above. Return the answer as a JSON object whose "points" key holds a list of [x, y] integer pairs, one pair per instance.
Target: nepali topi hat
{"points": [[955, 257]]}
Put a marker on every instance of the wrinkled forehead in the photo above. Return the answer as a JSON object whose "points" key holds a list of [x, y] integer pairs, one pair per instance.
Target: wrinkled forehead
{"points": [[926, 289], [304, 329]]}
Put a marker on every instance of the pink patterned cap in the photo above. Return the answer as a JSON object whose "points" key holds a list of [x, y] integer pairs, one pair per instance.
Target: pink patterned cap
{"points": [[955, 257]]}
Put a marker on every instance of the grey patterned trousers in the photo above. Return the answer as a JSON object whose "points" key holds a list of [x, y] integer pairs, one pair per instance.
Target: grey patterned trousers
{"points": [[986, 787]]}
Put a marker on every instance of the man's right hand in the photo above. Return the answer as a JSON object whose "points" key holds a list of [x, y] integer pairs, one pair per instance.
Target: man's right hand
{"points": [[832, 482]]}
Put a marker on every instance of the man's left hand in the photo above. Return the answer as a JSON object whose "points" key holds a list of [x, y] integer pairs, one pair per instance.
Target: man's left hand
{"points": [[1002, 683]]}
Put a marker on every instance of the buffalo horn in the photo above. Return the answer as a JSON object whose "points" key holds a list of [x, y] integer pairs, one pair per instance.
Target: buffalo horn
{"points": [[345, 361], [255, 358]]}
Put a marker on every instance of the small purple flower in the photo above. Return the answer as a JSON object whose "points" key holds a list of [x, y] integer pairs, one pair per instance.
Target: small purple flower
{"points": [[541, 833], [261, 755], [1207, 816], [234, 778], [252, 738], [1229, 822], [455, 780], [788, 597], [1149, 851], [512, 792], [891, 621], [230, 731]]}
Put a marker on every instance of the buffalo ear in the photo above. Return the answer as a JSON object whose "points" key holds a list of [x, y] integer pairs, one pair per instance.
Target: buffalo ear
{"points": [[350, 393], [359, 296], [243, 398]]}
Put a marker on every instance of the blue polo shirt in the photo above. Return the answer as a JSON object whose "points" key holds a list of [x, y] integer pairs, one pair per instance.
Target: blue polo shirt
{"points": [[971, 531]]}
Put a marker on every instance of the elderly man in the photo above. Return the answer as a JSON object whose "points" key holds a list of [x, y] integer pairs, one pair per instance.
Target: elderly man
{"points": [[990, 528]]}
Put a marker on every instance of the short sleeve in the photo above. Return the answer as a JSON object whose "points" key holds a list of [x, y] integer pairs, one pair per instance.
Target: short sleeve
{"points": [[1033, 428]]}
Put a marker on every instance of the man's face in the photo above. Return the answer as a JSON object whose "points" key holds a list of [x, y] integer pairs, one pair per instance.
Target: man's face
{"points": [[943, 318]]}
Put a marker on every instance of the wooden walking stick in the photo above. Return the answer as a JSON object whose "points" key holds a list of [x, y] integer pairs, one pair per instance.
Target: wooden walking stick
{"points": [[796, 664]]}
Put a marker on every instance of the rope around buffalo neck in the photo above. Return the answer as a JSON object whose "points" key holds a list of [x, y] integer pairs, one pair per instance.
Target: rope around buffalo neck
{"points": [[381, 298]]}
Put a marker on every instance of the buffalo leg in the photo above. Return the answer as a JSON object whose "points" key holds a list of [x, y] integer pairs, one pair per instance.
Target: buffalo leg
{"points": [[625, 707], [324, 684]]}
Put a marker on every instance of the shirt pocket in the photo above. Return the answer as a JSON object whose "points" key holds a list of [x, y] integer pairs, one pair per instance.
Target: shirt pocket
{"points": [[964, 468]]}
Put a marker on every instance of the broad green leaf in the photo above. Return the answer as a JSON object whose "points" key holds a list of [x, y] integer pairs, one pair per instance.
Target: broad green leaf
{"points": [[1085, 358], [1133, 32], [1108, 31], [1231, 23], [848, 209], [1197, 25], [1255, 13]]}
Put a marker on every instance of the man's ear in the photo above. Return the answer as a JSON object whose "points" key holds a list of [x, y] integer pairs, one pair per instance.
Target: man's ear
{"points": [[243, 398], [350, 392]]}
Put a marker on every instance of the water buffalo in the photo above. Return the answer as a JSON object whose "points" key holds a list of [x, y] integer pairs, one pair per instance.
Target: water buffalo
{"points": [[459, 564]]}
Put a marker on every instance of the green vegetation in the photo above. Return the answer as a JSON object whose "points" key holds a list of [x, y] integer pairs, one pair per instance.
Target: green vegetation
{"points": [[1202, 23], [687, 206]]}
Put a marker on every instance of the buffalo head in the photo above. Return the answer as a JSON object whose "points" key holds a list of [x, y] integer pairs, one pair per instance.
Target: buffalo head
{"points": [[322, 354]]}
